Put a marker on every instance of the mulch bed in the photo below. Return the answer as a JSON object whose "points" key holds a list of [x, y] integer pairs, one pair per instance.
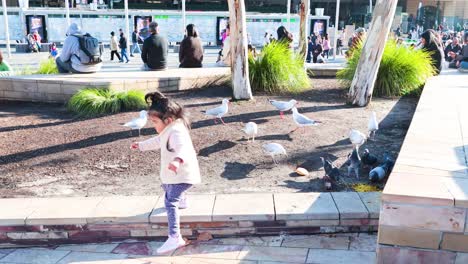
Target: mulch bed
{"points": [[47, 152]]}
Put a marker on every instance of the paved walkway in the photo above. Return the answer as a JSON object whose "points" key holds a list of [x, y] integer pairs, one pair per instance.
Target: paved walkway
{"points": [[330, 249]]}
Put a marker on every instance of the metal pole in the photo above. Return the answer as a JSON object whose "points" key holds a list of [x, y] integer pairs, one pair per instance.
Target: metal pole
{"points": [[67, 10], [7, 32], [335, 39], [184, 21], [370, 6], [127, 22], [288, 12]]}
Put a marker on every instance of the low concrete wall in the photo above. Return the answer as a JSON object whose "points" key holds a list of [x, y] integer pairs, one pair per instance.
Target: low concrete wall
{"points": [[423, 217], [59, 88]]}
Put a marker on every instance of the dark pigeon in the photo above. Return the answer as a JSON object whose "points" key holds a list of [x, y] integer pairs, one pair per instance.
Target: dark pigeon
{"points": [[368, 159], [379, 172]]}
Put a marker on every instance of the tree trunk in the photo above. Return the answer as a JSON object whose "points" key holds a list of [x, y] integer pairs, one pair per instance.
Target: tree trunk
{"points": [[239, 52], [360, 92], [303, 12]]}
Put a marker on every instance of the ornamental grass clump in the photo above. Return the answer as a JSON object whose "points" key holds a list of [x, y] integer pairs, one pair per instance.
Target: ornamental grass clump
{"points": [[403, 70], [277, 70], [47, 67], [91, 102]]}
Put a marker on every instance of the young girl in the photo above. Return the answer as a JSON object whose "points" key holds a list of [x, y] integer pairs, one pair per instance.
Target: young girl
{"points": [[179, 165]]}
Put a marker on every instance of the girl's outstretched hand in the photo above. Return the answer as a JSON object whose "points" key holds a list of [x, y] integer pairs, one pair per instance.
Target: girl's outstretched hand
{"points": [[135, 145], [174, 165]]}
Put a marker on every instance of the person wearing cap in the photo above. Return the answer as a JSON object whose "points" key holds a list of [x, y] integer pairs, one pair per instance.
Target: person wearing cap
{"points": [[154, 53], [68, 59]]}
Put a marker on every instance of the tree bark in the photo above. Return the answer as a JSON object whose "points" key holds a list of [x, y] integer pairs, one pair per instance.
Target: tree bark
{"points": [[239, 52], [303, 12], [362, 86]]}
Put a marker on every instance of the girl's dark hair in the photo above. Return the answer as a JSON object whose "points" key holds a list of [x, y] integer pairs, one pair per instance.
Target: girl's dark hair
{"points": [[163, 108], [192, 31], [432, 40], [283, 34]]}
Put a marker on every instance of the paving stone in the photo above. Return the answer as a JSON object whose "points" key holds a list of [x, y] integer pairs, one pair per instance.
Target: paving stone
{"points": [[409, 255], [350, 206], [137, 248], [265, 241], [326, 256], [295, 255], [363, 242], [157, 260], [372, 202], [244, 207], [91, 258], [97, 248], [6, 251], [209, 251], [459, 189], [123, 209], [199, 210], [317, 241], [432, 218], [218, 261], [34, 256], [62, 211], [15, 211], [303, 206]]}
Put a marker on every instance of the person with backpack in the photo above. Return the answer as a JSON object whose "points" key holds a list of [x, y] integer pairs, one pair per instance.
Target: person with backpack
{"points": [[123, 47], [80, 53]]}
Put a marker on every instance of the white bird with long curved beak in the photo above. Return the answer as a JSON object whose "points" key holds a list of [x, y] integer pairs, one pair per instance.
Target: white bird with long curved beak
{"points": [[138, 123], [251, 129], [218, 112], [302, 120], [373, 125], [274, 149], [357, 138], [283, 106]]}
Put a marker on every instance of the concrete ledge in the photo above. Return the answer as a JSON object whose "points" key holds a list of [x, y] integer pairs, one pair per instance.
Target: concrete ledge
{"points": [[80, 219], [60, 87], [423, 217]]}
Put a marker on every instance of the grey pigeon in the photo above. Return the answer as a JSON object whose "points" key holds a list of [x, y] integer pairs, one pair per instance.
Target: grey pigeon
{"points": [[354, 163], [368, 159], [379, 172], [330, 169]]}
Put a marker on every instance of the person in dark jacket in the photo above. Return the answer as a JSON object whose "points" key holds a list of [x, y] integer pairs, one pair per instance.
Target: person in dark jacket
{"points": [[310, 47], [316, 51], [191, 49], [430, 42], [452, 50], [135, 46], [123, 47], [154, 53]]}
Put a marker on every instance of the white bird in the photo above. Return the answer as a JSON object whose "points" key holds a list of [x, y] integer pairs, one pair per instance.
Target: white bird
{"points": [[283, 106], [373, 125], [302, 120], [251, 129], [357, 138], [138, 123], [219, 112], [274, 149]]}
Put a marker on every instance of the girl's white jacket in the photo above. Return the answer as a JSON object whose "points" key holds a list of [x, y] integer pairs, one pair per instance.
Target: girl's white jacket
{"points": [[175, 142]]}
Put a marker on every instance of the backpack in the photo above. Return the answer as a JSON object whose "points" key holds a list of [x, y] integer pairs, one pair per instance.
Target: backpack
{"points": [[90, 53]]}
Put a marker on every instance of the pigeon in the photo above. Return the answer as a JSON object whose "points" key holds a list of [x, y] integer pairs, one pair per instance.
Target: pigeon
{"points": [[368, 159], [379, 172], [330, 169], [274, 149], [138, 123], [218, 112], [251, 129], [357, 138], [302, 120], [283, 106], [354, 163], [373, 125]]}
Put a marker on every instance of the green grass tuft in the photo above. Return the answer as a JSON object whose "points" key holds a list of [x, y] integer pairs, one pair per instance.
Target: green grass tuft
{"points": [[402, 71], [277, 70], [47, 67], [91, 102]]}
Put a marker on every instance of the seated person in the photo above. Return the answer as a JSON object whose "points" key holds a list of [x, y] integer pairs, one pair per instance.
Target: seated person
{"points": [[462, 59], [452, 50], [69, 59], [191, 49], [154, 52], [5, 69]]}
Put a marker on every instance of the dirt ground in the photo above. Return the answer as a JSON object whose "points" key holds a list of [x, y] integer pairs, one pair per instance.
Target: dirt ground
{"points": [[45, 151]]}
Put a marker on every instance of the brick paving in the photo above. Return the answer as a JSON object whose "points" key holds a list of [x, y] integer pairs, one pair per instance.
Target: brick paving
{"points": [[346, 248]]}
